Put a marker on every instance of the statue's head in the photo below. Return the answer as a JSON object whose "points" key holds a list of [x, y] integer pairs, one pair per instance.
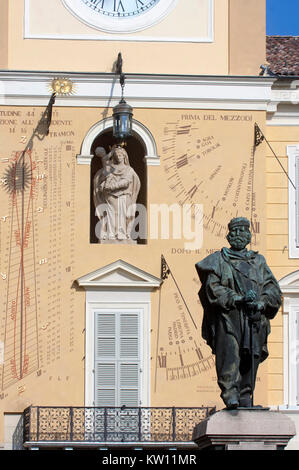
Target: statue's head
{"points": [[120, 155], [100, 152], [239, 235]]}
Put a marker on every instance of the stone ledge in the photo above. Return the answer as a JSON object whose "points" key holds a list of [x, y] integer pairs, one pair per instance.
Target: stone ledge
{"points": [[244, 429]]}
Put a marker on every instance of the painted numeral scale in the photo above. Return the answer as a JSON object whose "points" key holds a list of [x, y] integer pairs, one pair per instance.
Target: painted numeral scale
{"points": [[21, 329]]}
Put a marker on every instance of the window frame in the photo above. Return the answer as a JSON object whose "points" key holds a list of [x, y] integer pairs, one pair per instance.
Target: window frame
{"points": [[289, 286], [293, 202]]}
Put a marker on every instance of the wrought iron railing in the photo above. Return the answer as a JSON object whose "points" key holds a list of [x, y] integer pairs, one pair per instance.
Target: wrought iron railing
{"points": [[18, 435], [107, 424]]}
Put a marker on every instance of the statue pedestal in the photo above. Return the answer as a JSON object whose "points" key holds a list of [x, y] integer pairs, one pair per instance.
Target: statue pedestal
{"points": [[118, 242], [244, 429]]}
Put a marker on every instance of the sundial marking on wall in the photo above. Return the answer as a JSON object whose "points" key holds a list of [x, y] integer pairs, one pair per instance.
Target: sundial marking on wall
{"points": [[21, 353], [20, 339], [181, 355], [202, 168]]}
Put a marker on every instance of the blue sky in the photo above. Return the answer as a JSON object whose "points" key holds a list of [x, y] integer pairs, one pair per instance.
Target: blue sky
{"points": [[283, 17]]}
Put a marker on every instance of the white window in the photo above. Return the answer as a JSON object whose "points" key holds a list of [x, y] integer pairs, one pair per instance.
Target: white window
{"points": [[293, 172], [290, 288], [291, 356], [117, 335], [117, 357], [294, 354]]}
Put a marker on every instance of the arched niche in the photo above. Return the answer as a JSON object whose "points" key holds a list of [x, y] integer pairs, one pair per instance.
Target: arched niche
{"points": [[140, 132], [141, 149]]}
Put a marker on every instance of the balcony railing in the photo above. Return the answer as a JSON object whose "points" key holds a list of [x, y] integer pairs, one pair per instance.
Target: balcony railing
{"points": [[111, 425]]}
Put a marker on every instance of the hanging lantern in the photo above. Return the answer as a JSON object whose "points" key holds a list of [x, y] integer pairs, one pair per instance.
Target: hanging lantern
{"points": [[122, 112], [122, 120]]}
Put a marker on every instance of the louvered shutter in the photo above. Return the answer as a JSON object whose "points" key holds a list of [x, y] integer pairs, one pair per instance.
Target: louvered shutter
{"points": [[297, 198], [105, 359], [129, 364], [117, 358]]}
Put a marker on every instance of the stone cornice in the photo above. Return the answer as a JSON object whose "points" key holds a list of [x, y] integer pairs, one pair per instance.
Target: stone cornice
{"points": [[141, 91]]}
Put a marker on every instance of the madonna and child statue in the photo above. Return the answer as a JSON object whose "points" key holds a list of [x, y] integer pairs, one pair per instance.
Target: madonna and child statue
{"points": [[115, 189]]}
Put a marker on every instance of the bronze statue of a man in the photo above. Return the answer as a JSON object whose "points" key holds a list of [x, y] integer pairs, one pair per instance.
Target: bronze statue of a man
{"points": [[239, 295]]}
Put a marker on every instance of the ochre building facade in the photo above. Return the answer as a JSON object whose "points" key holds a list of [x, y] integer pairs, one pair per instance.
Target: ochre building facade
{"points": [[85, 324]]}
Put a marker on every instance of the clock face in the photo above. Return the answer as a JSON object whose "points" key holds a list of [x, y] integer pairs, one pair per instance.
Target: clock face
{"points": [[121, 8], [120, 16]]}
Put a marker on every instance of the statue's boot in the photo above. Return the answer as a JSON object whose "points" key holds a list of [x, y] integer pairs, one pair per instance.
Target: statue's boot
{"points": [[232, 404], [231, 400], [245, 400]]}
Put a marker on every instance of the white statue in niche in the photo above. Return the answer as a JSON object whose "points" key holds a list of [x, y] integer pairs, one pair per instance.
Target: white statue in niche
{"points": [[116, 187]]}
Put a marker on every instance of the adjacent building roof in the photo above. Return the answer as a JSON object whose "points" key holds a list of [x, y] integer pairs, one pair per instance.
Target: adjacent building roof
{"points": [[283, 54]]}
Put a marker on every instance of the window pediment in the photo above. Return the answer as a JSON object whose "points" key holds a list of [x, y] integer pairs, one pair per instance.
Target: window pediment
{"points": [[290, 283], [119, 274]]}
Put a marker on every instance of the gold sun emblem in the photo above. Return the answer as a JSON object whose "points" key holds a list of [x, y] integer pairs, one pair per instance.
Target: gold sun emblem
{"points": [[62, 86]]}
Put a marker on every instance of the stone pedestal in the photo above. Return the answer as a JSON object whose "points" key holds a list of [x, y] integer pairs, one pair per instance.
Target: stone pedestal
{"points": [[118, 242], [244, 429]]}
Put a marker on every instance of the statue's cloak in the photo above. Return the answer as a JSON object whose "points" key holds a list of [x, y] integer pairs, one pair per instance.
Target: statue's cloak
{"points": [[226, 274]]}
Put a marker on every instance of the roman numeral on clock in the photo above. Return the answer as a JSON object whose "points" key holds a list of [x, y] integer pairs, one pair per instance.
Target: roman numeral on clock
{"points": [[117, 5], [139, 3], [98, 2]]}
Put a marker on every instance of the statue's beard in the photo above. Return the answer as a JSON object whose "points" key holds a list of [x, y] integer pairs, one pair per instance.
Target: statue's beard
{"points": [[238, 242]]}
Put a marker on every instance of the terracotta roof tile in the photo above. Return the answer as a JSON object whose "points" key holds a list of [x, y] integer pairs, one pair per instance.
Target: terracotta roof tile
{"points": [[283, 54]]}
